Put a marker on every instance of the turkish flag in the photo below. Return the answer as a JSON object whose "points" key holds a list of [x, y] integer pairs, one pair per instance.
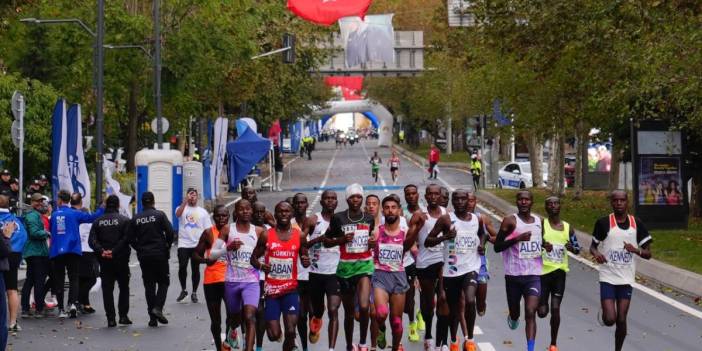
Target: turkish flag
{"points": [[327, 12], [350, 86]]}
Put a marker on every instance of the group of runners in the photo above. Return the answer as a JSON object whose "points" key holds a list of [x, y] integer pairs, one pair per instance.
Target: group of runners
{"points": [[371, 257], [394, 164]]}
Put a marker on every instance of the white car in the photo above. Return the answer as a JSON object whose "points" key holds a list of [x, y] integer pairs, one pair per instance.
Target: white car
{"points": [[517, 175]]}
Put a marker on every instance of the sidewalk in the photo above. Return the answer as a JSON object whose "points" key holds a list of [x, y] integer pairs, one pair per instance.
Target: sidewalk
{"points": [[684, 281]]}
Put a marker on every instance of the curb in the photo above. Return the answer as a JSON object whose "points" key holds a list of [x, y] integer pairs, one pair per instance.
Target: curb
{"points": [[682, 280]]}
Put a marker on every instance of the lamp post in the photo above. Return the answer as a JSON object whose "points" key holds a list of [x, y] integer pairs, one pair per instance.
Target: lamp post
{"points": [[99, 51]]}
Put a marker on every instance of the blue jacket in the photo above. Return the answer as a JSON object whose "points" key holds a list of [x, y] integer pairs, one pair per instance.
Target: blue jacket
{"points": [[19, 237], [65, 236]]}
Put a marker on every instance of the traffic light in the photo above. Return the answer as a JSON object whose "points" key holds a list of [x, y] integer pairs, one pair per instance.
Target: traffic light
{"points": [[289, 42]]}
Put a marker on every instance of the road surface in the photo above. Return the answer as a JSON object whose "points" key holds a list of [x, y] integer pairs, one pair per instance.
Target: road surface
{"points": [[653, 324]]}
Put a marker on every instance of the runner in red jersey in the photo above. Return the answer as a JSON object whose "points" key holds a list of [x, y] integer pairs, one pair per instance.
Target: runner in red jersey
{"points": [[282, 247]]}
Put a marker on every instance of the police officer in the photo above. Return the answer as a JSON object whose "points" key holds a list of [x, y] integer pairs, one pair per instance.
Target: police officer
{"points": [[109, 239], [151, 235]]}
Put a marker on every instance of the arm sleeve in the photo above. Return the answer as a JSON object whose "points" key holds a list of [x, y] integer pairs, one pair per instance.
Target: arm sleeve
{"points": [[642, 234], [601, 229]]}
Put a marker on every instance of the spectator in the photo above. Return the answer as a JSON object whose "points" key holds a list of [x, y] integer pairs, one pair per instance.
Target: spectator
{"points": [[65, 250], [88, 272], [33, 188], [44, 182], [476, 169], [434, 156], [36, 253], [5, 179], [4, 267], [14, 195], [193, 220], [18, 237]]}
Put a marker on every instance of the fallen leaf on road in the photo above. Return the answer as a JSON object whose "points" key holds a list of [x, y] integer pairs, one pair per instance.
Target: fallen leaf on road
{"points": [[136, 334]]}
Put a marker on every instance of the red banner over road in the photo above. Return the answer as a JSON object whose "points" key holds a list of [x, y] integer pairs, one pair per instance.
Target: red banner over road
{"points": [[327, 12], [350, 86]]}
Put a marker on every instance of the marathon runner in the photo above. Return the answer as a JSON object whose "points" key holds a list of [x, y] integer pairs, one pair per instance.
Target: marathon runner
{"points": [[412, 200], [352, 231], [394, 166], [300, 205], [389, 279], [249, 193], [375, 162], [282, 246], [464, 242], [429, 260], [193, 220], [621, 236], [444, 202], [483, 274], [377, 331], [259, 219], [211, 251], [519, 240], [241, 288], [323, 266], [561, 236]]}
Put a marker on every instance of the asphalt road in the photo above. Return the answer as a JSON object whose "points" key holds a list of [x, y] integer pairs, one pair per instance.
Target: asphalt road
{"points": [[653, 324]]}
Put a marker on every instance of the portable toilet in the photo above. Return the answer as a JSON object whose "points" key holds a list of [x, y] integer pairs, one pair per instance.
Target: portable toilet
{"points": [[161, 172], [193, 178]]}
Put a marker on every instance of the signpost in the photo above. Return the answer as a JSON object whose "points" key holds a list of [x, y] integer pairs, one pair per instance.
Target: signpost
{"points": [[18, 139]]}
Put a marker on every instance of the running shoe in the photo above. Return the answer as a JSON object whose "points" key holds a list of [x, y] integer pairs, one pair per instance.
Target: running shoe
{"points": [[193, 298], [381, 341], [62, 314], [553, 348], [413, 335], [362, 348], [400, 347], [429, 345], [512, 324], [420, 321], [232, 339], [469, 345], [445, 348], [455, 347], [14, 328], [72, 311], [182, 296], [315, 327]]}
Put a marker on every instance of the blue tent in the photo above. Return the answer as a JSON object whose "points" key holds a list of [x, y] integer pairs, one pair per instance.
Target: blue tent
{"points": [[243, 154]]}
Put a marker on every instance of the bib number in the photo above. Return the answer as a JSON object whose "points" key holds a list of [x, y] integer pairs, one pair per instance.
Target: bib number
{"points": [[241, 258], [465, 243], [529, 249], [557, 254], [620, 257], [390, 254], [281, 268], [359, 244]]}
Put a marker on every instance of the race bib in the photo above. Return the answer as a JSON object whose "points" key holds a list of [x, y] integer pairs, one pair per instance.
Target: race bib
{"points": [[241, 258], [620, 257], [281, 268], [556, 255], [529, 249], [359, 244], [465, 242], [390, 254], [395, 164]]}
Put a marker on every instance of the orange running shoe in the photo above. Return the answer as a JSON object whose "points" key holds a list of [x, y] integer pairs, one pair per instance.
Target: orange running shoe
{"points": [[315, 328], [469, 345], [455, 347], [400, 347], [553, 348]]}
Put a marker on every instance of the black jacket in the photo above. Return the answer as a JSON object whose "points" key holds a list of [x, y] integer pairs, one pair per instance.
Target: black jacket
{"points": [[110, 232], [151, 234]]}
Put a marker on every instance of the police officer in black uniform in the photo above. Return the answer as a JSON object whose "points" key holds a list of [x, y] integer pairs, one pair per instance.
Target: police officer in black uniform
{"points": [[109, 238], [151, 235]]}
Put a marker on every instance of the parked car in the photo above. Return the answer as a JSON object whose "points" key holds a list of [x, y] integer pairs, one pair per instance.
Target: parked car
{"points": [[517, 175]]}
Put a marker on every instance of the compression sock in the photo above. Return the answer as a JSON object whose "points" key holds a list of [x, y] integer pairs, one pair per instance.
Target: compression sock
{"points": [[530, 345]]}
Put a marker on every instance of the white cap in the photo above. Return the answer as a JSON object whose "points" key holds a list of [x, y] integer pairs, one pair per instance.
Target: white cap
{"points": [[354, 189]]}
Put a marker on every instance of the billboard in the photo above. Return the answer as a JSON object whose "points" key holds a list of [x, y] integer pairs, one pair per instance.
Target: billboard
{"points": [[659, 181]]}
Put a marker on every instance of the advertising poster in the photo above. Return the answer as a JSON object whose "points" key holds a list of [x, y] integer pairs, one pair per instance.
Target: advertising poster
{"points": [[659, 181]]}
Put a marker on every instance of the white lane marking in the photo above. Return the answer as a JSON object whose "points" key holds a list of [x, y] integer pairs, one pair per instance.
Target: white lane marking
{"points": [[655, 294], [324, 183], [485, 346], [477, 330]]}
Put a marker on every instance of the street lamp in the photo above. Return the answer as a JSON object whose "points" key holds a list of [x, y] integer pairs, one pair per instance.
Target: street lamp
{"points": [[99, 37], [131, 46]]}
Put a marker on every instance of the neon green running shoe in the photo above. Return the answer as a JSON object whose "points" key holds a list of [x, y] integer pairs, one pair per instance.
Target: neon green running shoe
{"points": [[420, 321], [413, 335]]}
